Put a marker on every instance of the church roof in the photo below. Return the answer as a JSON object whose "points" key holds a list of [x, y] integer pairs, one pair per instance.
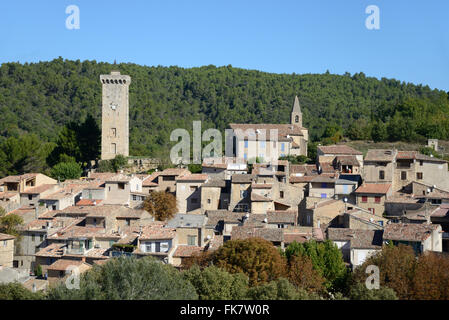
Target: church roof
{"points": [[296, 106]]}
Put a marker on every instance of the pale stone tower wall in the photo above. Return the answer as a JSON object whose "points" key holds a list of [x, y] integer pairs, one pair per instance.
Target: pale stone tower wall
{"points": [[115, 115]]}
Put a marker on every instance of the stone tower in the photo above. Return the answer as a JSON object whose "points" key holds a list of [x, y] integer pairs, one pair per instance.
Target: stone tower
{"points": [[115, 115], [296, 115]]}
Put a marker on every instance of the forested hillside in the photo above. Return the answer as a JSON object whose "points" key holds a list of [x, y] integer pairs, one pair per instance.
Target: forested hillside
{"points": [[41, 98]]}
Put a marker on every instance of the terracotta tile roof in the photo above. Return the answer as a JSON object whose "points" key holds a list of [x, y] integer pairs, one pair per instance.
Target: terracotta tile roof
{"points": [[119, 178], [408, 231], [318, 234], [100, 262], [424, 157], [347, 160], [130, 213], [398, 197], [67, 191], [184, 251], [64, 264], [4, 236], [303, 179], [243, 178], [261, 185], [269, 234], [380, 155], [95, 253], [298, 237], [55, 223], [302, 234], [182, 220], [150, 180], [416, 155], [258, 198], [367, 239], [53, 250], [215, 243], [157, 232], [441, 211], [215, 165], [8, 195], [101, 175], [303, 168], [18, 178], [215, 216], [40, 189], [77, 232], [406, 155], [324, 203], [215, 183], [88, 202], [105, 210], [174, 172], [282, 216], [324, 179], [22, 211], [339, 149], [374, 188], [193, 177]]}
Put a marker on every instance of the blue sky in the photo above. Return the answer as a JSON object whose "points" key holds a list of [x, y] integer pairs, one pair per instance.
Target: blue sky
{"points": [[275, 36]]}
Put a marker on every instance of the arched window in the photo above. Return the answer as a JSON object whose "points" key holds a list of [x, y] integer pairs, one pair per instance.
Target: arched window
{"points": [[296, 119]]}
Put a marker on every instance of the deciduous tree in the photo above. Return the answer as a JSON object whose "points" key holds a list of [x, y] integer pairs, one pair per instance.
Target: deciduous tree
{"points": [[255, 257], [161, 205]]}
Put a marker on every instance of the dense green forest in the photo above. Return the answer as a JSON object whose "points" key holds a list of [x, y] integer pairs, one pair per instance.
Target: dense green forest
{"points": [[41, 98]]}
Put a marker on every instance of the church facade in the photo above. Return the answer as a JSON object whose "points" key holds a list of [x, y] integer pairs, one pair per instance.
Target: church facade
{"points": [[268, 142]]}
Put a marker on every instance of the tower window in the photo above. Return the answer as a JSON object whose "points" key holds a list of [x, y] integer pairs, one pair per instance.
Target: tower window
{"points": [[296, 119], [113, 132], [113, 148]]}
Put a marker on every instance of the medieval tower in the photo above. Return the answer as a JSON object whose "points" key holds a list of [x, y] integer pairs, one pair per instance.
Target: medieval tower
{"points": [[296, 115], [115, 115]]}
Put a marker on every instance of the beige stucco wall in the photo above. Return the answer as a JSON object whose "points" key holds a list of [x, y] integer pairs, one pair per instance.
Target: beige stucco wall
{"points": [[185, 196], [6, 253], [210, 198], [235, 193], [379, 208], [371, 172], [358, 256]]}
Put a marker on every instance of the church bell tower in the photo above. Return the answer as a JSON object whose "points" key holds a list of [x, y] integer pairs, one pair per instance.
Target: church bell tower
{"points": [[296, 115]]}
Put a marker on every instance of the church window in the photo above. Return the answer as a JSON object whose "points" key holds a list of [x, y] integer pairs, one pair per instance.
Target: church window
{"points": [[296, 118]]}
